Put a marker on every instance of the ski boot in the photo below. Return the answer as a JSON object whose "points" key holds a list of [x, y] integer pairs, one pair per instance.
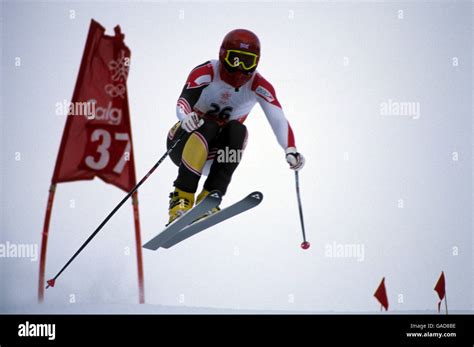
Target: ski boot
{"points": [[200, 197], [180, 203]]}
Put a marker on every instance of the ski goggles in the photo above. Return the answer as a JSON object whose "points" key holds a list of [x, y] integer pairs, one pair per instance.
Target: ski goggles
{"points": [[236, 58]]}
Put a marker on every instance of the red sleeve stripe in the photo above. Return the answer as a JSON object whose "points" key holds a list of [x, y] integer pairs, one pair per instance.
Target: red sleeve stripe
{"points": [[255, 81], [184, 104], [291, 137], [200, 76]]}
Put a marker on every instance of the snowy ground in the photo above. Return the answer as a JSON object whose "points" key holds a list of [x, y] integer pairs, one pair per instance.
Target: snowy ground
{"points": [[161, 309]]}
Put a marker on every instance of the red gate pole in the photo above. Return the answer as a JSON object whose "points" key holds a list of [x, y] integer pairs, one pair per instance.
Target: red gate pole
{"points": [[138, 239], [44, 242]]}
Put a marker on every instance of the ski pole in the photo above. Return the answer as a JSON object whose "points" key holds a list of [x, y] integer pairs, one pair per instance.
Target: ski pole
{"points": [[305, 244], [52, 281]]}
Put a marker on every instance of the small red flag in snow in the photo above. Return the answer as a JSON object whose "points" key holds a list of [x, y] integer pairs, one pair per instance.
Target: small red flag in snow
{"points": [[381, 294], [440, 288]]}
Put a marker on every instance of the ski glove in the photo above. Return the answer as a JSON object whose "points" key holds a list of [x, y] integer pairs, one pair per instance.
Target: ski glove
{"points": [[295, 159], [191, 122]]}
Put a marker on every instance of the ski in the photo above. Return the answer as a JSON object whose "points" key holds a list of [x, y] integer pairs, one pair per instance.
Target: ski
{"points": [[250, 201], [213, 199]]}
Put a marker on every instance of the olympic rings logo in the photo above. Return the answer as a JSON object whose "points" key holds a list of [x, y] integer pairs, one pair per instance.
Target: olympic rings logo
{"points": [[115, 90]]}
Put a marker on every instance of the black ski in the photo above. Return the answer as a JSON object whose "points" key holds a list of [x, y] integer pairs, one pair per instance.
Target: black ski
{"points": [[213, 199], [250, 201]]}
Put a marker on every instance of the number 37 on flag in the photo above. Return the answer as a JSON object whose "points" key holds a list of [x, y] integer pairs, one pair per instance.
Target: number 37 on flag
{"points": [[107, 150]]}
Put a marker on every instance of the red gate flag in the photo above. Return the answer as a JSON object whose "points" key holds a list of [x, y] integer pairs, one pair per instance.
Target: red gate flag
{"points": [[97, 138], [381, 294], [440, 288]]}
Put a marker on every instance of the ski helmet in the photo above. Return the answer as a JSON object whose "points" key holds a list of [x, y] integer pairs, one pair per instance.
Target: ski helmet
{"points": [[239, 56]]}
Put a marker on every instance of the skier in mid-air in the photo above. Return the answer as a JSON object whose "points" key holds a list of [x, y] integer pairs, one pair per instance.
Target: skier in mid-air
{"points": [[215, 101]]}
